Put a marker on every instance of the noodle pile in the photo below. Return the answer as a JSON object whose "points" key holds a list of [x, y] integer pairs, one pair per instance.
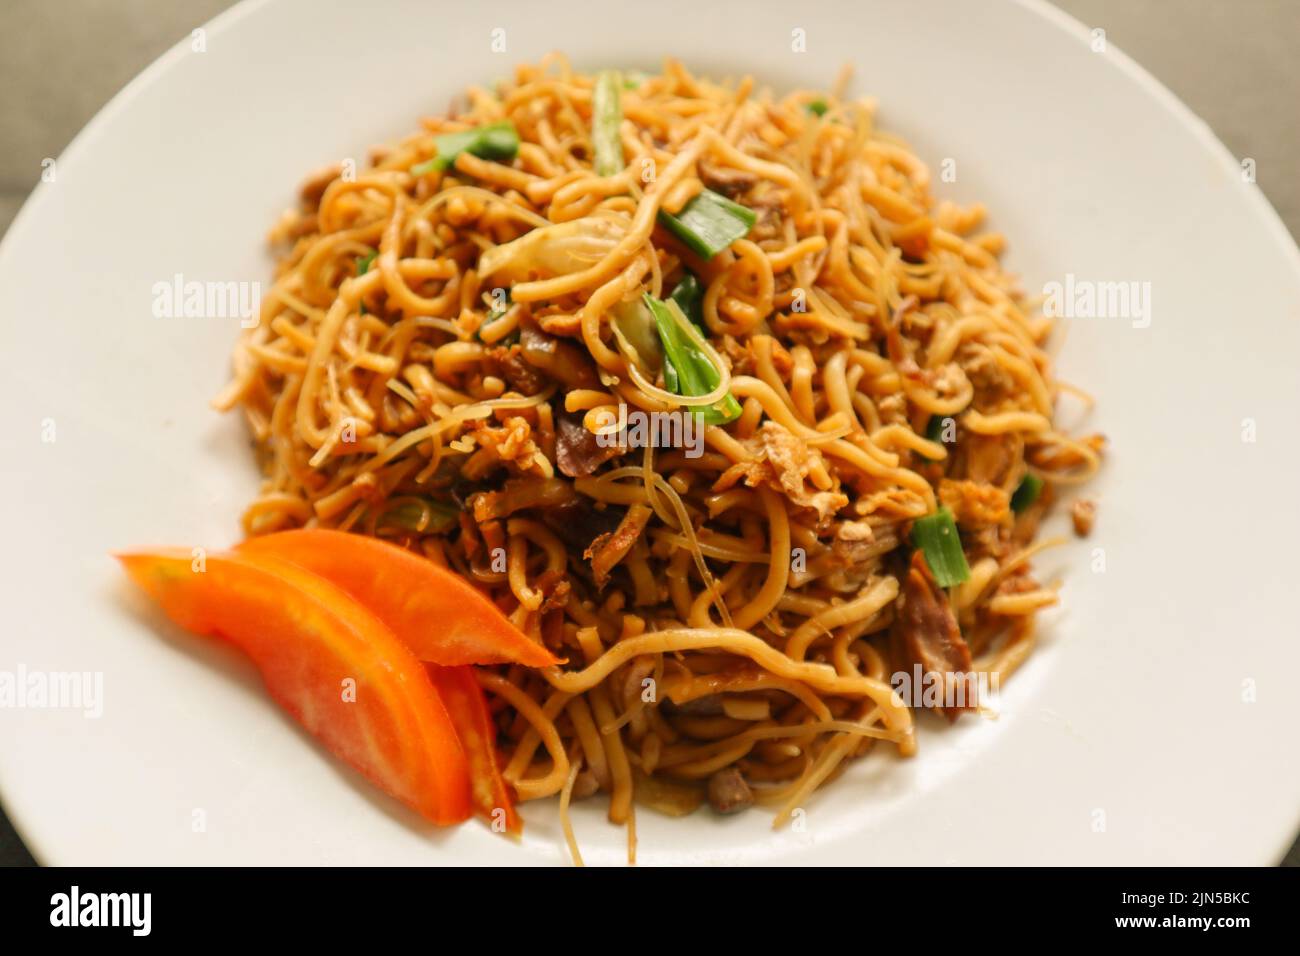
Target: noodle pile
{"points": [[730, 620]]}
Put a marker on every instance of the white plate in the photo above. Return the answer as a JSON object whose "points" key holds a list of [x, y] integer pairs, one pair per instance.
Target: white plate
{"points": [[1157, 722]]}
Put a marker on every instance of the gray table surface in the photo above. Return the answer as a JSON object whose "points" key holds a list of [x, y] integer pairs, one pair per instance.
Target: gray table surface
{"points": [[1232, 61]]}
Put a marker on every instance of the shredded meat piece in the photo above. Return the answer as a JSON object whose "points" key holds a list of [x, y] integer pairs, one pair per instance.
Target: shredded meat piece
{"points": [[725, 179], [769, 204], [926, 632], [854, 542], [1083, 513], [993, 384], [947, 379], [740, 357], [974, 504], [983, 459], [892, 503], [511, 442], [783, 461], [518, 494], [728, 791], [856, 550], [563, 361], [609, 549], [990, 541], [508, 363], [578, 452]]}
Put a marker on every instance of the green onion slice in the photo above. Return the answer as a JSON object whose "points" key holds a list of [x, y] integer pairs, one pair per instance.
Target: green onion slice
{"points": [[818, 107], [363, 266], [689, 296], [687, 370], [936, 536], [709, 223], [934, 430], [419, 514], [606, 119], [496, 141], [1027, 493]]}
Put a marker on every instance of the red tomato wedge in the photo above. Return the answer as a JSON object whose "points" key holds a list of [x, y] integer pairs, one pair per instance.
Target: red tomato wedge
{"points": [[469, 712], [313, 643], [441, 617]]}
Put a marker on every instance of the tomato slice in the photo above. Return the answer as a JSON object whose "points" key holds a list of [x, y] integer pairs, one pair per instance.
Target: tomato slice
{"points": [[469, 712], [440, 616], [334, 666]]}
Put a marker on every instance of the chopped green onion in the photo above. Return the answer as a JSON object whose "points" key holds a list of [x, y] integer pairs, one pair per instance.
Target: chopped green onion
{"points": [[709, 223], [687, 370], [496, 315], [633, 79], [936, 536], [818, 107], [494, 141], [689, 297], [606, 120], [363, 266], [420, 515], [634, 327], [1025, 495], [934, 429]]}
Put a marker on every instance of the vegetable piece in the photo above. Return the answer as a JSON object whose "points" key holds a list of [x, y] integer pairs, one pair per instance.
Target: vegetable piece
{"points": [[635, 326], [606, 120], [709, 223], [936, 536], [689, 296], [729, 792], [934, 429], [312, 642], [818, 107], [926, 633], [469, 713], [555, 250], [419, 514], [687, 370], [497, 141], [1026, 493], [363, 266], [432, 610]]}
